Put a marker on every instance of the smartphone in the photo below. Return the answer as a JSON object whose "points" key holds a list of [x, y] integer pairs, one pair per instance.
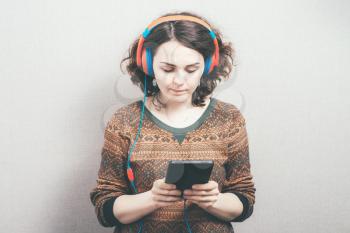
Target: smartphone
{"points": [[185, 173]]}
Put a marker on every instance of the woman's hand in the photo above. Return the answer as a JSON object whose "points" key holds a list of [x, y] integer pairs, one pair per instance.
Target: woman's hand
{"points": [[164, 194], [204, 195]]}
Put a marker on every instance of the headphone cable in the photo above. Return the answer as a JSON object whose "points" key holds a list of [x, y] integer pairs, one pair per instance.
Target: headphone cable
{"points": [[186, 218]]}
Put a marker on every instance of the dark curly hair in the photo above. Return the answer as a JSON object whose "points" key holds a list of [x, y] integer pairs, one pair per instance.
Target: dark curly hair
{"points": [[191, 35]]}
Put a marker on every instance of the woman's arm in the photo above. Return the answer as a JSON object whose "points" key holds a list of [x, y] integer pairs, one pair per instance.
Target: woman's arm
{"points": [[130, 208], [239, 179], [227, 207]]}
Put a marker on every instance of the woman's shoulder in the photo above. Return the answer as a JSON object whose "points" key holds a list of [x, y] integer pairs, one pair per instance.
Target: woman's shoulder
{"points": [[127, 109], [228, 111], [124, 115]]}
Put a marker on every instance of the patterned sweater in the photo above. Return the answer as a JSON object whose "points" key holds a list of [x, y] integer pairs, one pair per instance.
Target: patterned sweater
{"points": [[219, 134]]}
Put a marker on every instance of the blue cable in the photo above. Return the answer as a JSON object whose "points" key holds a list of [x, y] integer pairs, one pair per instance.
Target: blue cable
{"points": [[132, 148], [185, 219]]}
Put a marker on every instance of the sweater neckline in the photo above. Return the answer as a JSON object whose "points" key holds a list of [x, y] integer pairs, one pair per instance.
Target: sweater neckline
{"points": [[184, 130]]}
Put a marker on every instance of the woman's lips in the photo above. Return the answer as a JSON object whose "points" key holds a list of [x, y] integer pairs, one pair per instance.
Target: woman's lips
{"points": [[178, 91]]}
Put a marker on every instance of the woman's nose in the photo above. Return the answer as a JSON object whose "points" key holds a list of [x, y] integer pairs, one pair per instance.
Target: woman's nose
{"points": [[179, 77]]}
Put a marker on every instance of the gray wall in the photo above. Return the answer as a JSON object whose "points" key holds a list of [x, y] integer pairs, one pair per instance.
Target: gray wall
{"points": [[60, 81]]}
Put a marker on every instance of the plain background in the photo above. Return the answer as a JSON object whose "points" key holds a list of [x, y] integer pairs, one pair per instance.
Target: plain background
{"points": [[60, 81]]}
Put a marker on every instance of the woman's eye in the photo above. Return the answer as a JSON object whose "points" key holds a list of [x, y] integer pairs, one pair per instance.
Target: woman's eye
{"points": [[167, 71]]}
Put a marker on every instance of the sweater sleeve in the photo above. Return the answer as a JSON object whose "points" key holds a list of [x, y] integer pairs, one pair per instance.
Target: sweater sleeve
{"points": [[112, 181], [239, 179]]}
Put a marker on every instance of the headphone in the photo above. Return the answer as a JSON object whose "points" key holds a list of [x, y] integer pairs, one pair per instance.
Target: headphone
{"points": [[144, 61], [144, 55]]}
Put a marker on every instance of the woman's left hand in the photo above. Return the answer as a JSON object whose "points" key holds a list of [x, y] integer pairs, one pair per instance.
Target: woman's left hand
{"points": [[204, 195]]}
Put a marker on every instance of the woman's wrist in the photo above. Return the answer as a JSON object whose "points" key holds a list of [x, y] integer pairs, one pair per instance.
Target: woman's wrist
{"points": [[149, 199], [129, 208], [227, 207]]}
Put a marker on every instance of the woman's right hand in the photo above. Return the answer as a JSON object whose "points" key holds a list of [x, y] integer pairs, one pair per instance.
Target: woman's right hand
{"points": [[164, 194]]}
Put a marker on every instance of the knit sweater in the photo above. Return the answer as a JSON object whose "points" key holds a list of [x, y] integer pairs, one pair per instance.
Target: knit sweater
{"points": [[219, 134]]}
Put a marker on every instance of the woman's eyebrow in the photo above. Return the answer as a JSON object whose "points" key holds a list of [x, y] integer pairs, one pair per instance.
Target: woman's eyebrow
{"points": [[175, 65]]}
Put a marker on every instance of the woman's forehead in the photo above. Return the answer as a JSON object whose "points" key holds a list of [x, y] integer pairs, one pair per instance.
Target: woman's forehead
{"points": [[176, 54]]}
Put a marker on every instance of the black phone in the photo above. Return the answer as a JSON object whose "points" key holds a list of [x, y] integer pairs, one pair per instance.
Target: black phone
{"points": [[185, 173]]}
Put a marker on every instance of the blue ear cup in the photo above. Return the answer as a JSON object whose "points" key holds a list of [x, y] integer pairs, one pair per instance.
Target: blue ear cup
{"points": [[149, 61], [207, 65]]}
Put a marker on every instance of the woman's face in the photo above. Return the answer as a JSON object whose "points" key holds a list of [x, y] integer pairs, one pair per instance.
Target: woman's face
{"points": [[177, 67]]}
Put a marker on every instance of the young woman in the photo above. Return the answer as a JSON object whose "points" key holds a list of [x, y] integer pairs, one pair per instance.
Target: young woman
{"points": [[176, 63]]}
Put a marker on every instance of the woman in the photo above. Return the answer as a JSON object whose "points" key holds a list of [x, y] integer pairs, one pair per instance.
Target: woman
{"points": [[176, 63]]}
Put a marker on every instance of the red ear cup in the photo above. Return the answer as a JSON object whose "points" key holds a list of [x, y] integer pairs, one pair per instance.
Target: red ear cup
{"points": [[139, 51], [212, 65], [215, 57]]}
